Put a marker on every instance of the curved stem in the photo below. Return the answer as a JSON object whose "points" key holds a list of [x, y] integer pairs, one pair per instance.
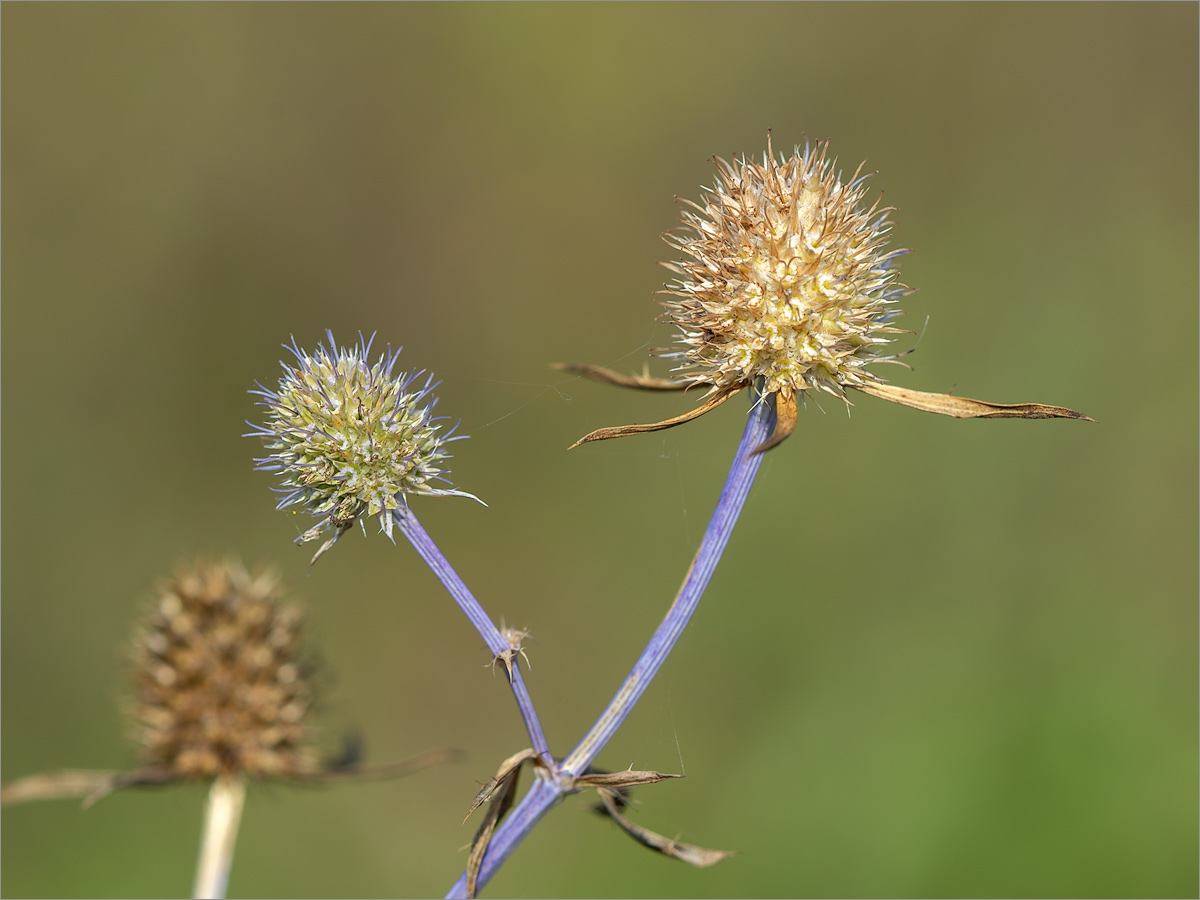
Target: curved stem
{"points": [[716, 536], [428, 551], [549, 789], [222, 815]]}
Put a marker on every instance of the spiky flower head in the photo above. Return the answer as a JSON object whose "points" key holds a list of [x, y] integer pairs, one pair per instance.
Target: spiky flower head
{"points": [[787, 279], [787, 286], [220, 687], [350, 438]]}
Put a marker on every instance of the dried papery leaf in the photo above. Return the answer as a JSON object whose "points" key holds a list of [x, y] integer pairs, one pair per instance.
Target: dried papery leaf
{"points": [[642, 382], [603, 434], [786, 415], [501, 790], [399, 769], [700, 857], [507, 768], [90, 784], [625, 779], [483, 837], [60, 785], [484, 794], [964, 407]]}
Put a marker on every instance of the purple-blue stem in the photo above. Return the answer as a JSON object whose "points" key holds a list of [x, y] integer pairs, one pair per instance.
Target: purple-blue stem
{"points": [[549, 788], [428, 551]]}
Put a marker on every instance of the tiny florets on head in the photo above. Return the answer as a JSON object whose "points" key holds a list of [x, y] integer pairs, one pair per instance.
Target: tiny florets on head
{"points": [[787, 278], [350, 439]]}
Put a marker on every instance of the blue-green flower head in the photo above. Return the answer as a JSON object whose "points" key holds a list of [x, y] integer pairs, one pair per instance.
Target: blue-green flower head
{"points": [[350, 439]]}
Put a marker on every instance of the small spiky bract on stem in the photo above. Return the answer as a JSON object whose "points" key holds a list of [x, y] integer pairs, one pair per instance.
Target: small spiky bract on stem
{"points": [[350, 439], [220, 686]]}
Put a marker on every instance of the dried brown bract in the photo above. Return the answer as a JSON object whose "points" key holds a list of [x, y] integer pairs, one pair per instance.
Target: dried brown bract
{"points": [[515, 638]]}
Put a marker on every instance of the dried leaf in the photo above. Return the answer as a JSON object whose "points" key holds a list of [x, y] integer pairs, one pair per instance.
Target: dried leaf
{"points": [[91, 785], [483, 837], [964, 407], [700, 857], [507, 768], [59, 785], [500, 790], [709, 405], [644, 382], [785, 421], [625, 779]]}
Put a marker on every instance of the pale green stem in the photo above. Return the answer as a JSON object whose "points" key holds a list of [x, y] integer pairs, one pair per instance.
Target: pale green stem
{"points": [[222, 815]]}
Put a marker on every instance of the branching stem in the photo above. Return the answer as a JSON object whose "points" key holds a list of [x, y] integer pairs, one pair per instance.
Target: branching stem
{"points": [[550, 787], [428, 551]]}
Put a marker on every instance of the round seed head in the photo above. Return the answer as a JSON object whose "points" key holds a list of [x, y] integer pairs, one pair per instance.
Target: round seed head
{"points": [[219, 684], [786, 279], [350, 439]]}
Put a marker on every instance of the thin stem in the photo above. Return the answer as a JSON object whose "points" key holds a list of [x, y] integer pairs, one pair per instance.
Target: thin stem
{"points": [[428, 551], [547, 791], [716, 536], [222, 815]]}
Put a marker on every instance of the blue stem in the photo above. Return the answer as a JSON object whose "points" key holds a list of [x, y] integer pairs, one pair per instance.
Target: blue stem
{"points": [[549, 788], [424, 545], [716, 536]]}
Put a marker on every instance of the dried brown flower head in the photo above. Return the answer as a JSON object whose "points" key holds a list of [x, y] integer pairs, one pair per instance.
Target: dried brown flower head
{"points": [[220, 687], [221, 694], [788, 285]]}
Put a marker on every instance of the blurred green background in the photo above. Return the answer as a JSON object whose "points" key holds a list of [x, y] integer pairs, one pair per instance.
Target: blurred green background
{"points": [[939, 658]]}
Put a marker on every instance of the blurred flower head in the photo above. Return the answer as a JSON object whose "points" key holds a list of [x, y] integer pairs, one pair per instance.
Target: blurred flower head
{"points": [[787, 277], [350, 439], [220, 688]]}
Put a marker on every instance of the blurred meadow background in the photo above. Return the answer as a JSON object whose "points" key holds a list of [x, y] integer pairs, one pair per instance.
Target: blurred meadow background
{"points": [[939, 658]]}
